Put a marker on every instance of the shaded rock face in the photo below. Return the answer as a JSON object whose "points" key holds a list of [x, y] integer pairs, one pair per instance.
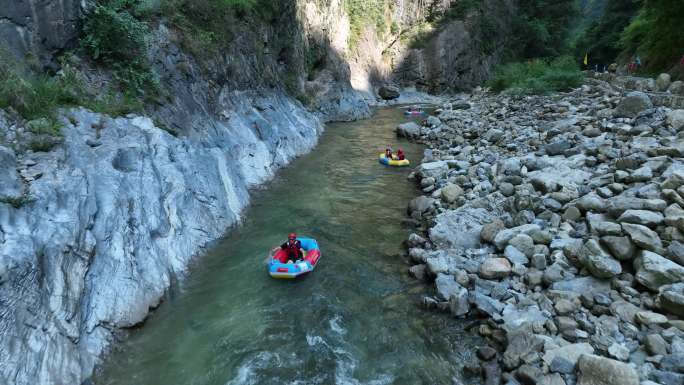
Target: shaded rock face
{"points": [[39, 28], [119, 220], [457, 55]]}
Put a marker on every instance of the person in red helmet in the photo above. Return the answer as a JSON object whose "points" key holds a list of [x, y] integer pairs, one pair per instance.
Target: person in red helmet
{"points": [[293, 247], [400, 154]]}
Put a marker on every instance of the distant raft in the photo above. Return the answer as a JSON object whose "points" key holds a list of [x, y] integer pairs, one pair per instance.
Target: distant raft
{"points": [[392, 162], [278, 266], [414, 113]]}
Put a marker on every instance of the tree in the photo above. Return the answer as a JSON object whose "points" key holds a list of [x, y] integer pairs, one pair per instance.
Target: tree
{"points": [[601, 40], [656, 34], [542, 27]]}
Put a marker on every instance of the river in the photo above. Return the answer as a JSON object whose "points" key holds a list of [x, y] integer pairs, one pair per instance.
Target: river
{"points": [[355, 320]]}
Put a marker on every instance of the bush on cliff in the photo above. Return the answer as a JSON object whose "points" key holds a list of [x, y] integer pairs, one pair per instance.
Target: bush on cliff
{"points": [[537, 76], [117, 39]]}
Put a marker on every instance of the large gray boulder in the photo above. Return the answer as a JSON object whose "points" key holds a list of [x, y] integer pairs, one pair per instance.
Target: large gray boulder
{"points": [[663, 82], [435, 170], [654, 271], [643, 237], [631, 105], [671, 298], [460, 228], [675, 118], [495, 268], [420, 204], [595, 370], [389, 92], [598, 261], [642, 217], [408, 130]]}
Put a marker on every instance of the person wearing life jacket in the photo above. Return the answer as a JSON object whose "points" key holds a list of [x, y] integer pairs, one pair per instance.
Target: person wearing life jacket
{"points": [[293, 247], [400, 154], [388, 152]]}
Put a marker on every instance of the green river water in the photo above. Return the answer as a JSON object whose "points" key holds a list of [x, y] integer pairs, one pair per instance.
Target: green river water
{"points": [[355, 320]]}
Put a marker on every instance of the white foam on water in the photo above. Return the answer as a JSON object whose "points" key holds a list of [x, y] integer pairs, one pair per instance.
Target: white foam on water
{"points": [[335, 325], [246, 374], [314, 340], [344, 371]]}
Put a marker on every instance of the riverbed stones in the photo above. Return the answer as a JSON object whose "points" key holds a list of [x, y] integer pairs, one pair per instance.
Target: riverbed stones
{"points": [[586, 199]]}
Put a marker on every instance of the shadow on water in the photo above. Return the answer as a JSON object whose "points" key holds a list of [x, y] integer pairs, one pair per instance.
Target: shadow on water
{"points": [[355, 320]]}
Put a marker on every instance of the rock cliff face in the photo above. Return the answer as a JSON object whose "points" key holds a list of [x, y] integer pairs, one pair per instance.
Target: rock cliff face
{"points": [[39, 29], [117, 213]]}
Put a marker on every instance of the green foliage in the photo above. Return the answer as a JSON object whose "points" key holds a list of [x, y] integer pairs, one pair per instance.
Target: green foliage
{"points": [[364, 13], [601, 40], [207, 26], [33, 97], [418, 36], [36, 97], [114, 37], [656, 34], [541, 28], [537, 76], [462, 8]]}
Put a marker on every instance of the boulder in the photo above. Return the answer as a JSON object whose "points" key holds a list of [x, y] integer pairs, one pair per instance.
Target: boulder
{"points": [[642, 217], [655, 344], [389, 92], [643, 237], [676, 252], [451, 192], [408, 130], [663, 82], [460, 228], [671, 298], [558, 147], [650, 318], [520, 343], [435, 170], [504, 236], [495, 268], [621, 247], [491, 229], [654, 271], [595, 370], [420, 204], [598, 261], [676, 88], [675, 118], [446, 286], [624, 311], [631, 105], [571, 353]]}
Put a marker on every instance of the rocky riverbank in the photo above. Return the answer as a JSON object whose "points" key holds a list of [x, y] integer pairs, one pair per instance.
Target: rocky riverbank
{"points": [[558, 221]]}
